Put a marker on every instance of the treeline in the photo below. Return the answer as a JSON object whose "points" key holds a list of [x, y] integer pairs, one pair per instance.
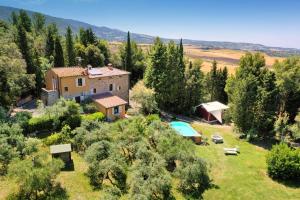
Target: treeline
{"points": [[180, 84]]}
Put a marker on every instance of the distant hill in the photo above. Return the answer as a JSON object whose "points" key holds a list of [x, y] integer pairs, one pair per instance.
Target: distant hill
{"points": [[111, 34]]}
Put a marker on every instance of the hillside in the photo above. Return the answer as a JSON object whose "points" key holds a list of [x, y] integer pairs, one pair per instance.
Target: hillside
{"points": [[111, 34]]}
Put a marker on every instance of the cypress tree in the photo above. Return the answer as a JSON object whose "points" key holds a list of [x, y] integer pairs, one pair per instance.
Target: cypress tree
{"points": [[14, 18], [38, 22], [223, 95], [70, 53], [24, 20], [49, 49], [180, 79], [128, 54], [90, 36], [170, 82], [212, 81], [58, 54], [25, 50], [155, 72], [83, 37], [193, 86]]}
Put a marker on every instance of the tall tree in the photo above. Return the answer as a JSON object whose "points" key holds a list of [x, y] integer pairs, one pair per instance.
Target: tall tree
{"points": [[14, 78], [132, 60], [24, 20], [170, 83], [180, 78], [104, 48], [22, 42], [93, 56], [155, 73], [193, 85], [83, 37], [70, 51], [252, 96], [14, 18], [87, 36], [212, 77], [128, 54], [215, 83], [223, 95], [288, 82], [38, 22], [50, 40], [58, 54], [90, 36]]}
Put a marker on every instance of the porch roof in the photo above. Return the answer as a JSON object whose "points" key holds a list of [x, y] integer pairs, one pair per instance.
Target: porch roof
{"points": [[107, 100]]}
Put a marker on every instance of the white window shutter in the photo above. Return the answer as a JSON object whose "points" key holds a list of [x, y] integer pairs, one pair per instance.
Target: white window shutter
{"points": [[83, 81], [76, 82], [120, 109], [112, 111]]}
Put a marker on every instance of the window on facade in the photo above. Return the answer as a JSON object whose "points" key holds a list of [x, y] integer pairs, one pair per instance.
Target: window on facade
{"points": [[119, 88], [79, 82], [110, 87], [94, 91], [66, 89], [116, 110]]}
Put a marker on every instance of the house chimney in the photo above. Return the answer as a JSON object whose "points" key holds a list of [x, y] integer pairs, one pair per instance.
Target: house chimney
{"points": [[110, 66]]}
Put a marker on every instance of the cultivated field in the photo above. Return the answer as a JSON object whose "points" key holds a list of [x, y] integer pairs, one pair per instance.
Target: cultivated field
{"points": [[224, 57]]}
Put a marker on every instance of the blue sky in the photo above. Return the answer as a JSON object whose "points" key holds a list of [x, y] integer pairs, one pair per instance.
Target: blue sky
{"points": [[269, 22]]}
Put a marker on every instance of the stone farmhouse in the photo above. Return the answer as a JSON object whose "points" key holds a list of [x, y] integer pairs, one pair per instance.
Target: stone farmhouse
{"points": [[107, 86]]}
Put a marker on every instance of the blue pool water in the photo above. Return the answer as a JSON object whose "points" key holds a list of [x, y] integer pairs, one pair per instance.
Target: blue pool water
{"points": [[184, 129]]}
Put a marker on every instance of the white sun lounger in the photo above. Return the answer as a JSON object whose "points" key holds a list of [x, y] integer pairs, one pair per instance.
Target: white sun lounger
{"points": [[232, 149], [230, 152]]}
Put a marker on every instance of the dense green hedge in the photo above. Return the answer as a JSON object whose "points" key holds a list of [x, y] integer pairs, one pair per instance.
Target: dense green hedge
{"points": [[95, 116], [40, 123], [284, 162]]}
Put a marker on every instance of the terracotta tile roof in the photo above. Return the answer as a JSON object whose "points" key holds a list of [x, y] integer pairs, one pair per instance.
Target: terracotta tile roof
{"points": [[108, 100], [105, 71], [69, 71], [93, 73]]}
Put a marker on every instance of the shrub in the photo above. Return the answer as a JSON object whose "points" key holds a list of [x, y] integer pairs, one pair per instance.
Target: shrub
{"points": [[284, 162], [144, 97], [89, 108], [99, 116], [58, 138], [73, 121], [22, 118], [55, 138], [40, 123], [152, 118]]}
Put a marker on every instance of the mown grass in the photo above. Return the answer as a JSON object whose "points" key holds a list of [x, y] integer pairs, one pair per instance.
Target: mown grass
{"points": [[243, 176], [76, 182]]}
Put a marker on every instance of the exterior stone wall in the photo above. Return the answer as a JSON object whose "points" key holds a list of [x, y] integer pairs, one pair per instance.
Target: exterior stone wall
{"points": [[49, 97], [120, 85]]}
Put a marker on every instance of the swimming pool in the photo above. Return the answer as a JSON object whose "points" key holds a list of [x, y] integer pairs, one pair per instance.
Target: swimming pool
{"points": [[184, 129]]}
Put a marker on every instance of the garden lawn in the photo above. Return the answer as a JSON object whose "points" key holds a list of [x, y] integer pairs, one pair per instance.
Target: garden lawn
{"points": [[76, 183], [243, 176]]}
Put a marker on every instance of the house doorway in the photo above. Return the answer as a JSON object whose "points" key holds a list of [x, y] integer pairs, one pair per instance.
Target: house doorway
{"points": [[77, 99]]}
